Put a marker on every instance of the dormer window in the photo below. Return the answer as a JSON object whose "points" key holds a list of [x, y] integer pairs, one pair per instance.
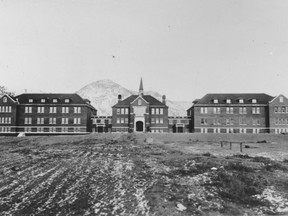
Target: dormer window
{"points": [[228, 101], [215, 101], [55, 100], [67, 100], [30, 100], [254, 101], [5, 100], [241, 101], [281, 99], [43, 100]]}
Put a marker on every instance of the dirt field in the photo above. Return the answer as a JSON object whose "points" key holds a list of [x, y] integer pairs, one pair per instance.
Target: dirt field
{"points": [[144, 174]]}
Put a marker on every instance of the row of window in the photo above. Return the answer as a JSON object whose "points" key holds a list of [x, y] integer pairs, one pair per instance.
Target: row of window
{"points": [[52, 129], [5, 120], [5, 129], [53, 120], [154, 111], [28, 109], [123, 111], [279, 121], [177, 121], [102, 121], [230, 110], [156, 120], [122, 120], [153, 120], [282, 109], [43, 100], [230, 130], [157, 111], [230, 121], [228, 101], [5, 109]]}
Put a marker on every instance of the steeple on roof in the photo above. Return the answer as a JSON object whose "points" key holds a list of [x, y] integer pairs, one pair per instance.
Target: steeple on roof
{"points": [[141, 90]]}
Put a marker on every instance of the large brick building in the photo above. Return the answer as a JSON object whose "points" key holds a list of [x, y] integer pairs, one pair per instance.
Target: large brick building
{"points": [[278, 115], [46, 114], [140, 113], [239, 113]]}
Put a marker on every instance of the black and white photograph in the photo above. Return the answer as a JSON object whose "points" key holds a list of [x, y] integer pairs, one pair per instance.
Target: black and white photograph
{"points": [[143, 107]]}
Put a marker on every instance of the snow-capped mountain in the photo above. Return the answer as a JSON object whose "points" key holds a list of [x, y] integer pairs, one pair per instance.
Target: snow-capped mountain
{"points": [[103, 94]]}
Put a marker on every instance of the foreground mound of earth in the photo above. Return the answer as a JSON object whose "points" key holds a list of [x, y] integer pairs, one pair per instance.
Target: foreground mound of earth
{"points": [[124, 175]]}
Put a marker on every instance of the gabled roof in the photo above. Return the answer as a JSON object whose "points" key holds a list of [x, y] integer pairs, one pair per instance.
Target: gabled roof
{"points": [[9, 96], [150, 99], [74, 98], [261, 98]]}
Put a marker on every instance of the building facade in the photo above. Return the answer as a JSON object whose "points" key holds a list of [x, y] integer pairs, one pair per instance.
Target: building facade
{"points": [[140, 113], [234, 113], [278, 115], [179, 124], [47, 114], [102, 124]]}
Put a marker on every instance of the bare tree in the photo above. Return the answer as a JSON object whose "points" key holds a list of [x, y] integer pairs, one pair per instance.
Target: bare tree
{"points": [[3, 90]]}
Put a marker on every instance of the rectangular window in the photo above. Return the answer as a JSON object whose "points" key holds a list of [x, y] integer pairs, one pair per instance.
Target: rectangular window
{"points": [[40, 109], [77, 109], [229, 121], [40, 129], [156, 111], [28, 110], [118, 120], [30, 100], [216, 110], [126, 120], [157, 120], [276, 109], [118, 111], [161, 120], [203, 121], [126, 111], [64, 121], [242, 110], [161, 111], [152, 120], [122, 120], [54, 100], [204, 110], [40, 120], [77, 121], [229, 110], [52, 120], [52, 109], [67, 100], [254, 101], [241, 101], [152, 111], [216, 122], [65, 109], [9, 109], [27, 120], [43, 100]]}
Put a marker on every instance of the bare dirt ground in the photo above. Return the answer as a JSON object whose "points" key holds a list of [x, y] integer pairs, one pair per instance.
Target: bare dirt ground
{"points": [[144, 174]]}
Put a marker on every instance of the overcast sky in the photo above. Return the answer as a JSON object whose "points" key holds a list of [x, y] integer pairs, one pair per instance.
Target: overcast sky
{"points": [[181, 48]]}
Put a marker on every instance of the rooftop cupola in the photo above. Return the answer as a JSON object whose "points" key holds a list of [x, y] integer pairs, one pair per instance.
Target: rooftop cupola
{"points": [[141, 90]]}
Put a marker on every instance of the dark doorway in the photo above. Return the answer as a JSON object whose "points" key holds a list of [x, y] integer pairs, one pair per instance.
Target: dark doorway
{"points": [[139, 126], [180, 129], [100, 129]]}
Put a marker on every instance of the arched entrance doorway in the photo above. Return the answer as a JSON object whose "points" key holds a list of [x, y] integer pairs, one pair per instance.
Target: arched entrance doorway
{"points": [[139, 126]]}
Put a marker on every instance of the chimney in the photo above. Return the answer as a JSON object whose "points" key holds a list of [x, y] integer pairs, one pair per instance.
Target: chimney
{"points": [[164, 99], [119, 97]]}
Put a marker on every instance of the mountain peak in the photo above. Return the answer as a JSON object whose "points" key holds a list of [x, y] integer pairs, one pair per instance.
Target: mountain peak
{"points": [[103, 94]]}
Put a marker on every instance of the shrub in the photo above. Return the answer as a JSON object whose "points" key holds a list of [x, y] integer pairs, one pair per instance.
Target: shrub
{"points": [[240, 187]]}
